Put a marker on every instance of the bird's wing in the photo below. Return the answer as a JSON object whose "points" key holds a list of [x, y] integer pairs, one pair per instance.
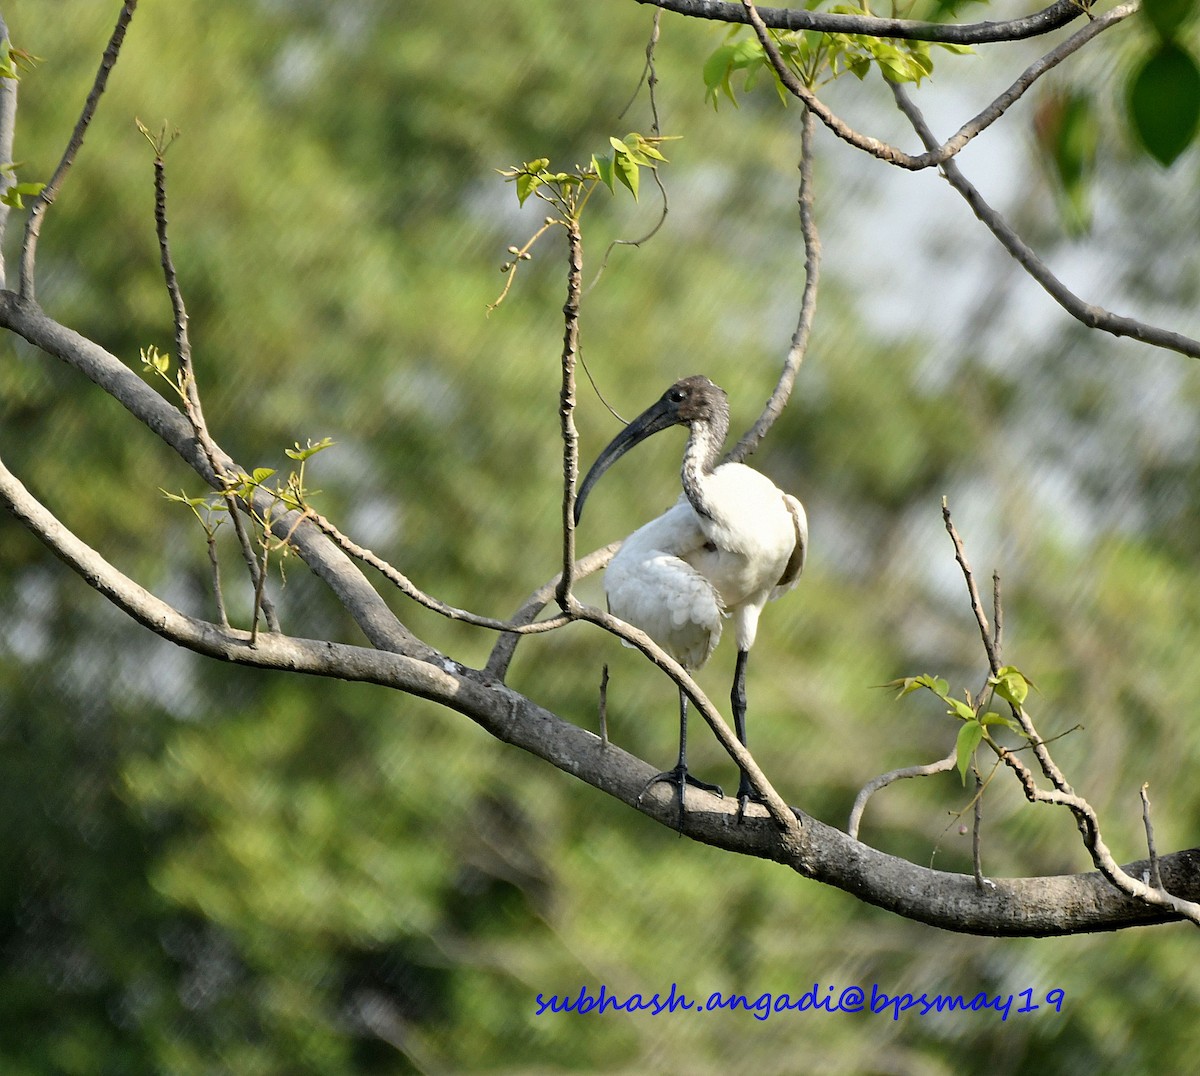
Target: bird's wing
{"points": [[650, 586], [795, 564]]}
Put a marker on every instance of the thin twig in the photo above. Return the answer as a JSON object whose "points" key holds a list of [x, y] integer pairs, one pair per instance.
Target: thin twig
{"points": [[406, 587], [502, 653], [211, 541], [37, 210], [1089, 826], [1048, 765], [885, 779], [566, 411], [997, 618], [190, 394], [603, 706], [808, 303], [1094, 317], [977, 832], [649, 77], [8, 127], [936, 154], [960, 554], [1155, 876]]}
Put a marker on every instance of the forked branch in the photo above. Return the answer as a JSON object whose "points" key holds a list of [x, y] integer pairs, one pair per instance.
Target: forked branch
{"points": [[45, 199]]}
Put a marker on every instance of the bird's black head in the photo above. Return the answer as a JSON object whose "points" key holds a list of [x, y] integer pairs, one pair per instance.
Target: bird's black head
{"points": [[690, 402], [692, 399]]}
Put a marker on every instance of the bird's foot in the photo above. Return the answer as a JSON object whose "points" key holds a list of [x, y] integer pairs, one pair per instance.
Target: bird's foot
{"points": [[680, 778], [746, 794]]}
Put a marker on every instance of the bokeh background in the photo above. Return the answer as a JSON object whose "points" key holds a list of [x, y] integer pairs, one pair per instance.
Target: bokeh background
{"points": [[206, 869]]}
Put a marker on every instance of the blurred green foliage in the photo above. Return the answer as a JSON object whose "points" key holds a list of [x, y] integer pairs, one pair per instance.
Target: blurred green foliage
{"points": [[204, 869]]}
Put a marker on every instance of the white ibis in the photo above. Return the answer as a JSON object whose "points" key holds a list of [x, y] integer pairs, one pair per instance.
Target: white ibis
{"points": [[731, 542]]}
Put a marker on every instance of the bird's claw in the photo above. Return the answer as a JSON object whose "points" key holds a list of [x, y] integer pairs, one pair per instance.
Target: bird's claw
{"points": [[747, 794], [680, 778]]}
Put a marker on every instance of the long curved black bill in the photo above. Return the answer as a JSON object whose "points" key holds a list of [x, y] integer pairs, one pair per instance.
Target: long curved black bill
{"points": [[658, 417]]}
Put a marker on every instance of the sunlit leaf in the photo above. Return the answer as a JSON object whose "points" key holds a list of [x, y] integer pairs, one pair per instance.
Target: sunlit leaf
{"points": [[626, 171], [1011, 685], [969, 737]]}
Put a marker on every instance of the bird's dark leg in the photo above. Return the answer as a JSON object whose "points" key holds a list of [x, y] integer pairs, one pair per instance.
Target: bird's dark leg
{"points": [[679, 776], [737, 699]]}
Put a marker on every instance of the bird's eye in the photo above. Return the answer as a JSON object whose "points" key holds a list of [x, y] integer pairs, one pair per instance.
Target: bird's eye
{"points": [[677, 395]]}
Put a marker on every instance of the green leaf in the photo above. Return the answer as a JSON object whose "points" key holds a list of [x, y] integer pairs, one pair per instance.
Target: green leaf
{"points": [[969, 737], [527, 183], [1011, 685], [261, 474], [993, 718], [309, 450], [646, 148], [908, 684], [14, 195], [604, 169], [1167, 16], [736, 56], [183, 498], [1164, 102], [961, 710], [626, 170]]}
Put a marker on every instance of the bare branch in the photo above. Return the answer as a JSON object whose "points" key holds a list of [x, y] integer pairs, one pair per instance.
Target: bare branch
{"points": [[327, 562], [45, 199], [977, 832], [1042, 22], [406, 587], [1094, 317], [960, 554], [566, 411], [189, 389], [1027, 907], [1154, 878], [936, 154], [891, 777], [1127, 882], [502, 653], [8, 126], [997, 618], [808, 304]]}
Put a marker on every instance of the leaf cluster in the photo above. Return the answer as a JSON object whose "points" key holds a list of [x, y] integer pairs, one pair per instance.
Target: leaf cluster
{"points": [[569, 191], [817, 58], [1009, 683]]}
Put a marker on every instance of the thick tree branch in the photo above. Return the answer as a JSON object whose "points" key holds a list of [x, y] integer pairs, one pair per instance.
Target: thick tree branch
{"points": [[1042, 22], [1062, 794], [1065, 904], [328, 563]]}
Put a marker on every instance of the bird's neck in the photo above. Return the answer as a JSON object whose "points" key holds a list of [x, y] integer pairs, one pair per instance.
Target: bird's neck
{"points": [[699, 458]]}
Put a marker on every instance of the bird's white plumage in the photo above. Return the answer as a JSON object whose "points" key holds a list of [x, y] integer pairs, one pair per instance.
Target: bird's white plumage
{"points": [[676, 577]]}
